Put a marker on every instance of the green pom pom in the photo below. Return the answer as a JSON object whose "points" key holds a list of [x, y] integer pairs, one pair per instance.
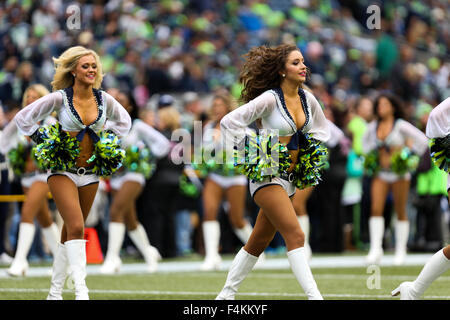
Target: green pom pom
{"points": [[403, 161], [440, 154], [312, 160], [225, 168], [108, 155], [262, 158], [188, 188], [59, 150], [17, 157], [371, 163], [140, 160]]}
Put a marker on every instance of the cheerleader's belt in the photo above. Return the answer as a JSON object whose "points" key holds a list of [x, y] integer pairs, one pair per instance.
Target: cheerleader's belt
{"points": [[287, 176], [80, 171]]}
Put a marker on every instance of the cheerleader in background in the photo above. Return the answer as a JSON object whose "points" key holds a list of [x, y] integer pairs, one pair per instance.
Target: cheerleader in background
{"points": [[219, 186], [82, 110], [301, 196], [438, 128], [126, 186], [35, 188], [387, 135]]}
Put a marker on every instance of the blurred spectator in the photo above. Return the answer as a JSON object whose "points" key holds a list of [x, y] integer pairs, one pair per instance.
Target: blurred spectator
{"points": [[157, 204], [193, 110]]}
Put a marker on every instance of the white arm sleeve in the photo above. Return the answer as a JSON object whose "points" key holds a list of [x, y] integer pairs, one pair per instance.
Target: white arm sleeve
{"points": [[234, 126], [320, 129], [27, 119], [9, 137], [420, 141], [119, 119], [158, 143], [369, 139], [438, 125], [336, 134]]}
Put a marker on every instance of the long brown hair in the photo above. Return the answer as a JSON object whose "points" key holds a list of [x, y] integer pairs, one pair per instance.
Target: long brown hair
{"points": [[261, 70]]}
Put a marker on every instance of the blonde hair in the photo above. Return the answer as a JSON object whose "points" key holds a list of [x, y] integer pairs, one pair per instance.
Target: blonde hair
{"points": [[170, 116], [39, 88], [66, 63], [227, 98], [229, 101]]}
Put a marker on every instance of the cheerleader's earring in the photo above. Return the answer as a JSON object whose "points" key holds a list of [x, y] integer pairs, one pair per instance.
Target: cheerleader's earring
{"points": [[283, 75]]}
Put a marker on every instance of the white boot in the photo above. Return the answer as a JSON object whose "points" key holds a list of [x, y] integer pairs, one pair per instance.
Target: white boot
{"points": [[376, 232], [304, 224], [401, 241], [240, 267], [302, 272], [244, 234], [51, 235], [112, 263], [436, 266], [76, 256], [211, 238], [150, 253], [19, 266], [59, 273]]}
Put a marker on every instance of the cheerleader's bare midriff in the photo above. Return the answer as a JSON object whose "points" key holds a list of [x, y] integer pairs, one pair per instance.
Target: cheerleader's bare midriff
{"points": [[86, 150]]}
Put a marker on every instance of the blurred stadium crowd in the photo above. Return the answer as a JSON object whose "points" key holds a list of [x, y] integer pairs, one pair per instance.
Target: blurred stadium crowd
{"points": [[179, 52]]}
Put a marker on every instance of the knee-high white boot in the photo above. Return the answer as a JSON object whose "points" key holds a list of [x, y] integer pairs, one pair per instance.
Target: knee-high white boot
{"points": [[211, 238], [112, 263], [51, 235], [242, 264], [19, 266], [376, 232], [244, 234], [59, 273], [302, 272], [401, 241], [437, 265], [76, 256], [304, 224], [150, 253]]}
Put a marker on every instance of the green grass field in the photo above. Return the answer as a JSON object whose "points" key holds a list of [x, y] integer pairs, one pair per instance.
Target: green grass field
{"points": [[358, 283]]}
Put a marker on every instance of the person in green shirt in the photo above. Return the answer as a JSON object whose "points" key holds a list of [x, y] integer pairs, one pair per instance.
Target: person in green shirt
{"points": [[356, 191]]}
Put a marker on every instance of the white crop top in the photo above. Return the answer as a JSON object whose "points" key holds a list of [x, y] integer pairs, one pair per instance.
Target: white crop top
{"points": [[143, 133], [438, 125], [401, 131], [271, 108], [61, 101]]}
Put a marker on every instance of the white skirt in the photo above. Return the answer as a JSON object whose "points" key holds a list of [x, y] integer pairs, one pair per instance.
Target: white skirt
{"points": [[227, 182], [117, 181], [289, 187], [27, 180]]}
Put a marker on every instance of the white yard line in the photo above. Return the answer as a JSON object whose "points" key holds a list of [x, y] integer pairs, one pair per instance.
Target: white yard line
{"points": [[268, 264], [241, 294]]}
